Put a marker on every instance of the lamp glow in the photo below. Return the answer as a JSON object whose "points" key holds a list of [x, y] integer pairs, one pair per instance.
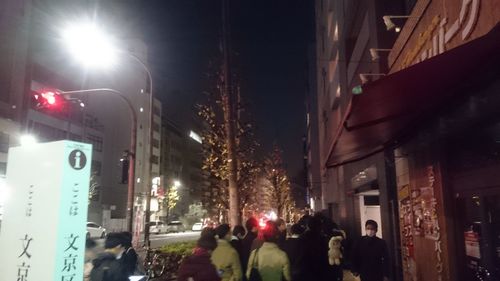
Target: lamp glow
{"points": [[28, 140], [195, 136], [177, 183], [90, 45]]}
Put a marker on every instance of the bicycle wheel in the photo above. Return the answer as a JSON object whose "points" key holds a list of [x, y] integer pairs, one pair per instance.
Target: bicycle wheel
{"points": [[158, 265]]}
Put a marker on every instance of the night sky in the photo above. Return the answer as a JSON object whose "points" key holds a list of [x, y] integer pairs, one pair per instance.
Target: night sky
{"points": [[271, 39]]}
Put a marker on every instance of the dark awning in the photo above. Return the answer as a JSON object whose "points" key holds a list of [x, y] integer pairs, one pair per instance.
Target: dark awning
{"points": [[388, 107]]}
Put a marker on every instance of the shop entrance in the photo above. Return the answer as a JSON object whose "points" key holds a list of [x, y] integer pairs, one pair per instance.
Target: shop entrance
{"points": [[473, 166], [478, 236], [369, 209]]}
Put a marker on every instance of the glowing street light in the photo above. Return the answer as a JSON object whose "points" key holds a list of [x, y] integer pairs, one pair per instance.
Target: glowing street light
{"points": [[90, 45], [28, 140], [94, 48], [177, 183]]}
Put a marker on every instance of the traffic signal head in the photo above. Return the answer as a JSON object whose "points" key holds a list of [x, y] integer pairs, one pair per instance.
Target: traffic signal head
{"points": [[48, 98]]}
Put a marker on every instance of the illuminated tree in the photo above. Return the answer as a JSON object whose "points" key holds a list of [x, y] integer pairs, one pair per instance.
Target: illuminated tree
{"points": [[171, 199], [215, 158], [276, 190]]}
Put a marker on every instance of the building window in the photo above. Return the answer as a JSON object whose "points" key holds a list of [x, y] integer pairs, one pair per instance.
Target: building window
{"points": [[156, 143], [47, 132], [96, 167], [156, 127], [155, 159], [96, 142], [75, 137], [157, 110], [4, 142]]}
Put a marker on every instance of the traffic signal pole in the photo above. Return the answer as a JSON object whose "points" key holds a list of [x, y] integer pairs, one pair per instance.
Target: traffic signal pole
{"points": [[132, 152]]}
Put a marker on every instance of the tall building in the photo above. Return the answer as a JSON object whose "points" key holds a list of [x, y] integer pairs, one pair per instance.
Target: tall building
{"points": [[15, 19], [350, 187], [182, 162], [32, 54], [172, 149], [408, 135]]}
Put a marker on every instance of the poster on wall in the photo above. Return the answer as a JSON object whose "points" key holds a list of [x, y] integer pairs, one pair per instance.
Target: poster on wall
{"points": [[430, 220], [406, 223], [418, 213], [472, 248]]}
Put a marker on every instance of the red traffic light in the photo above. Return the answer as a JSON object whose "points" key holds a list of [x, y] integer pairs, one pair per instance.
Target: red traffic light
{"points": [[48, 98]]}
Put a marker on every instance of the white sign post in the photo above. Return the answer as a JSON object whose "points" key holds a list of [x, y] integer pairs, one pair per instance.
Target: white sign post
{"points": [[44, 223]]}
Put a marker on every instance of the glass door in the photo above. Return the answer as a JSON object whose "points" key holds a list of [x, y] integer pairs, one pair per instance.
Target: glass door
{"points": [[479, 238]]}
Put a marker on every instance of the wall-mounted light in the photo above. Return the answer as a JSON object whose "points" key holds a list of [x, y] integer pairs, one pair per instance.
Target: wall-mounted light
{"points": [[364, 76], [374, 53], [390, 25]]}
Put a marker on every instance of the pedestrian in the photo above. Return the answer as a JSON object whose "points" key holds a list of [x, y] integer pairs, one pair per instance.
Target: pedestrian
{"points": [[314, 257], [107, 267], [129, 257], [370, 256], [269, 261], [282, 232], [225, 258], [252, 226], [90, 255], [292, 248], [237, 243], [198, 266]]}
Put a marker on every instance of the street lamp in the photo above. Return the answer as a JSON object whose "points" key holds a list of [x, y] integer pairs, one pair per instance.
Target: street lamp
{"points": [[27, 140], [177, 183], [89, 45], [93, 47]]}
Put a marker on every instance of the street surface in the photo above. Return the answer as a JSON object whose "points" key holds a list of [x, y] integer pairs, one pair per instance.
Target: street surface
{"points": [[158, 240]]}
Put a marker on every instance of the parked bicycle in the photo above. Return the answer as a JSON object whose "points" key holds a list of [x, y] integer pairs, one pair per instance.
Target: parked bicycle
{"points": [[154, 263]]}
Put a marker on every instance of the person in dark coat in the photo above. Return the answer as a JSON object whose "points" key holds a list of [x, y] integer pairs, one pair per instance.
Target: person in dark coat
{"points": [[237, 243], [370, 256], [293, 248], [282, 232], [107, 267], [199, 267], [314, 256], [252, 226], [129, 257]]}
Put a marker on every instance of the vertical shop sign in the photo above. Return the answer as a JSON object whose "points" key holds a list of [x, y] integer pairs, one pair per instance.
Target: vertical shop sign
{"points": [[43, 228]]}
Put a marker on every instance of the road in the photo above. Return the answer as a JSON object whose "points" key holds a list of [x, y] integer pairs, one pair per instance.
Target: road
{"points": [[158, 240]]}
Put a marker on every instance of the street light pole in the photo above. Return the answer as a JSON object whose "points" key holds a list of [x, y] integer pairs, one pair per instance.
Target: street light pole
{"points": [[132, 153], [93, 47], [147, 176]]}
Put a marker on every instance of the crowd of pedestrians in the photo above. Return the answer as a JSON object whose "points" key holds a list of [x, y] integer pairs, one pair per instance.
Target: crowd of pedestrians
{"points": [[313, 249]]}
